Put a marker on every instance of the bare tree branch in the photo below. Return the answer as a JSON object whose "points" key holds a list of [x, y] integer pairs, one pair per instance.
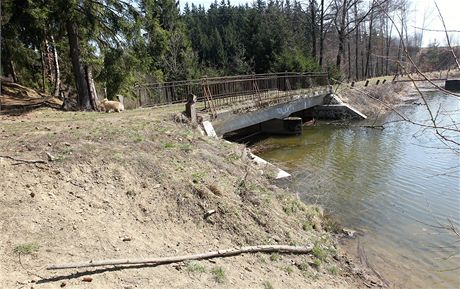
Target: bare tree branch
{"points": [[447, 35]]}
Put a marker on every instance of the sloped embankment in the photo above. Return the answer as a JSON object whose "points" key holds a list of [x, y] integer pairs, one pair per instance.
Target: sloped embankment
{"points": [[136, 184]]}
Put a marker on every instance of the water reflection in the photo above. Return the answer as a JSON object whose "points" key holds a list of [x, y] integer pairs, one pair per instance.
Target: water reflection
{"points": [[389, 183]]}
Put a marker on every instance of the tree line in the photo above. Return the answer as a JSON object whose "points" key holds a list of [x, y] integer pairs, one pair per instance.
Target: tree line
{"points": [[109, 46]]}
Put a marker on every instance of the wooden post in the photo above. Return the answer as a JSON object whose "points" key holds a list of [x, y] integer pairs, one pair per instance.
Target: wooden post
{"points": [[378, 81], [367, 83], [383, 82], [190, 107], [352, 84]]}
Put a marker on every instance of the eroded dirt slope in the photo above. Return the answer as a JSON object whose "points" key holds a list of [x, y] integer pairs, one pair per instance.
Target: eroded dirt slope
{"points": [[136, 184]]}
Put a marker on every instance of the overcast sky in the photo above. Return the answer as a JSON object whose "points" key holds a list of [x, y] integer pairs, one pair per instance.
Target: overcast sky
{"points": [[420, 9]]}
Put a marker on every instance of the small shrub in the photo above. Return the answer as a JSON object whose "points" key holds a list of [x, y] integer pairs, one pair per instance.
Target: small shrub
{"points": [[194, 267], [268, 285], [331, 225], [303, 266], [333, 270], [291, 207], [219, 274], [306, 226], [275, 257], [27, 248], [317, 262], [319, 252], [289, 270], [168, 145]]}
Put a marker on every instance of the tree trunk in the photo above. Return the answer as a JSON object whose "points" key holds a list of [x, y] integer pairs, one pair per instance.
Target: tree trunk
{"points": [[349, 58], [369, 43], [13, 72], [91, 87], [341, 33], [356, 46], [321, 35], [83, 99], [49, 64], [349, 50], [42, 57], [57, 72], [388, 50], [313, 29]]}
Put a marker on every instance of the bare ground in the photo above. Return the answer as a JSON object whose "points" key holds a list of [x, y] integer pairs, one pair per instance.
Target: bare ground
{"points": [[136, 184]]}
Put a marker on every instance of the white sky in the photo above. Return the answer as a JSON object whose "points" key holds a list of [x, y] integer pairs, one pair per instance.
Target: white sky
{"points": [[420, 8], [450, 10]]}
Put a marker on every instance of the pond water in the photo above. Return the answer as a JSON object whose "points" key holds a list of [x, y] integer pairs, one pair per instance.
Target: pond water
{"points": [[396, 185]]}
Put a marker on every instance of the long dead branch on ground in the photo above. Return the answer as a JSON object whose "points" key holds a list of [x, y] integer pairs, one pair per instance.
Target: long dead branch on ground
{"points": [[23, 161], [174, 259]]}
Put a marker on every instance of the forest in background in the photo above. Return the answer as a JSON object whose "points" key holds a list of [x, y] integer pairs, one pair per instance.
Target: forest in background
{"points": [[109, 46]]}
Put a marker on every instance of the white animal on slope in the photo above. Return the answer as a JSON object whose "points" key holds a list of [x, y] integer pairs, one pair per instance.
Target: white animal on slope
{"points": [[108, 105]]}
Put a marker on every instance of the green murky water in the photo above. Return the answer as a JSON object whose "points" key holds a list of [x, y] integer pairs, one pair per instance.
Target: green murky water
{"points": [[391, 184]]}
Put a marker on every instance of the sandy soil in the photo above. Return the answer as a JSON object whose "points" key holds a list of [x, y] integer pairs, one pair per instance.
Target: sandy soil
{"points": [[136, 184]]}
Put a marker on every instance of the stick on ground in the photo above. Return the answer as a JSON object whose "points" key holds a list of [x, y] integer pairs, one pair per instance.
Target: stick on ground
{"points": [[174, 259], [24, 161]]}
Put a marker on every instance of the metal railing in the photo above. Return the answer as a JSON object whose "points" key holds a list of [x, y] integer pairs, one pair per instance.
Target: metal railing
{"points": [[220, 92]]}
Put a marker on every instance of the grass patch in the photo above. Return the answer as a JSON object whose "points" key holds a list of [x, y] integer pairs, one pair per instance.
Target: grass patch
{"points": [[67, 151], [185, 147], [168, 145], [194, 267], [307, 225], [268, 285], [232, 157], [303, 266], [27, 248], [317, 262], [275, 257], [331, 225], [333, 270], [218, 274], [198, 176], [293, 207], [319, 252], [138, 138], [289, 269]]}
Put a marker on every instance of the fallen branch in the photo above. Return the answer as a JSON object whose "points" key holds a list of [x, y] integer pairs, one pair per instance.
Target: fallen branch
{"points": [[23, 161], [174, 259]]}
